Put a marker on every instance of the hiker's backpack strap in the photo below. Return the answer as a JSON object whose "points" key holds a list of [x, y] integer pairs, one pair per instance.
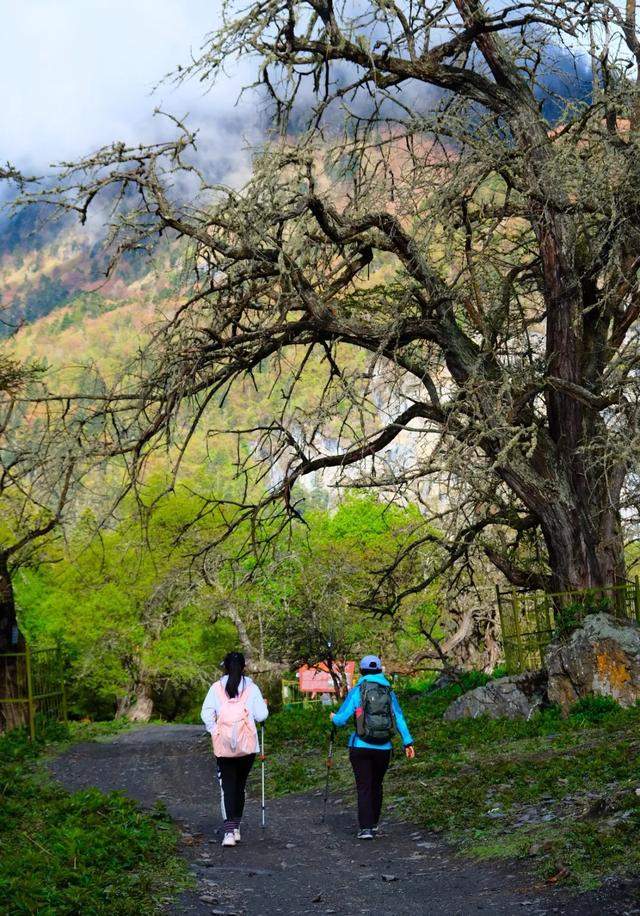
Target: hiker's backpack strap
{"points": [[359, 716], [224, 697]]}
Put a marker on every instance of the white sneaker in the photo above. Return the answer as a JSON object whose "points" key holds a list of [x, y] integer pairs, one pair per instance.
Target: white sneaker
{"points": [[229, 840], [236, 835]]}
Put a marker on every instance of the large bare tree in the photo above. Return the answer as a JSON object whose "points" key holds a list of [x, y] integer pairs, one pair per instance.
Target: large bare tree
{"points": [[419, 207]]}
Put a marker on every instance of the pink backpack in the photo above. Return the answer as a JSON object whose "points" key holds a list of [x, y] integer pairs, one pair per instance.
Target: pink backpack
{"points": [[234, 734]]}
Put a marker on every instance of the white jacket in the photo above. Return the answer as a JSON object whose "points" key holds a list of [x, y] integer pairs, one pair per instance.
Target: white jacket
{"points": [[256, 706]]}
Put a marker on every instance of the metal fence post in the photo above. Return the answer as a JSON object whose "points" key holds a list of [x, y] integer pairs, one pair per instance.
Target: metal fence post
{"points": [[515, 601], [523, 645], [506, 641], [30, 703]]}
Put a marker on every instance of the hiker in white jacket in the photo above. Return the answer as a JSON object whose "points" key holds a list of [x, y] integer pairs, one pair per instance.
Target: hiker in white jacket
{"points": [[230, 711]]}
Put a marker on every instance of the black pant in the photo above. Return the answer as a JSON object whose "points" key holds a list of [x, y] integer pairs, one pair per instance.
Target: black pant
{"points": [[369, 768], [233, 773]]}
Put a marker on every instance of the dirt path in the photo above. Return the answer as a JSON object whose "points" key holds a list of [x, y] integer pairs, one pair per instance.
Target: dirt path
{"points": [[299, 866]]}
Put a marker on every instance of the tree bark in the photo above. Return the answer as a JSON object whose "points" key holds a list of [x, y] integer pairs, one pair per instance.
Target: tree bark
{"points": [[11, 639], [141, 709], [584, 552], [12, 669], [136, 704], [255, 659]]}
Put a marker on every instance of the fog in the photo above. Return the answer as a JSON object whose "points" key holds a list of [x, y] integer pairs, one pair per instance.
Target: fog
{"points": [[77, 74]]}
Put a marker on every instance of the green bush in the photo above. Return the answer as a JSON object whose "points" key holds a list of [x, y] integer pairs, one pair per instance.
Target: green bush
{"points": [[571, 615]]}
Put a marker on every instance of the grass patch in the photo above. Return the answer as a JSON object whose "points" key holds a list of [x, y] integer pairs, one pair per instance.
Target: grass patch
{"points": [[561, 792], [84, 852]]}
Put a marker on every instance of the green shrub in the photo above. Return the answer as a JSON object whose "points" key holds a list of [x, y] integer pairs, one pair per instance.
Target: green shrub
{"points": [[594, 708], [570, 616]]}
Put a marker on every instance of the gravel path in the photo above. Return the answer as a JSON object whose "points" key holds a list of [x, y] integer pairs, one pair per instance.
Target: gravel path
{"points": [[298, 866]]}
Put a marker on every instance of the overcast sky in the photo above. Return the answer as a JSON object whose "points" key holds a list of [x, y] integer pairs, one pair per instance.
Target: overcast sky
{"points": [[75, 74]]}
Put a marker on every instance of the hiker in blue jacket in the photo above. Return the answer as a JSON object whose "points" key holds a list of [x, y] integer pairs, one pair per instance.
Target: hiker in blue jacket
{"points": [[377, 714]]}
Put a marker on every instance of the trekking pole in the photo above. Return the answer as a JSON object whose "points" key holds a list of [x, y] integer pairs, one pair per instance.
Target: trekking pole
{"points": [[329, 765], [262, 759]]}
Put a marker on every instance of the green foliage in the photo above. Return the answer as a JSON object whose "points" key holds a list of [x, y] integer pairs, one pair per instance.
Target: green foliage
{"points": [[78, 853], [132, 609], [137, 615], [316, 593], [570, 615], [594, 709], [466, 680]]}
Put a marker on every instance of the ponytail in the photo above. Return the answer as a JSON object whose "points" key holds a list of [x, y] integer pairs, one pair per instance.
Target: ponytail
{"points": [[234, 665]]}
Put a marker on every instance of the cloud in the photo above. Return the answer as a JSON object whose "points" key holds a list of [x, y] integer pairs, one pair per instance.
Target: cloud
{"points": [[77, 74]]}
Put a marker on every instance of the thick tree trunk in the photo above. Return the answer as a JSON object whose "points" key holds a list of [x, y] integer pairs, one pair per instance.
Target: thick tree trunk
{"points": [[12, 669], [137, 704], [576, 502], [141, 709], [586, 548], [10, 638]]}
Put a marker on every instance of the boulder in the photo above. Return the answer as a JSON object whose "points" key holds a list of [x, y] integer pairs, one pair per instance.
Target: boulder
{"points": [[515, 697], [445, 679], [601, 657]]}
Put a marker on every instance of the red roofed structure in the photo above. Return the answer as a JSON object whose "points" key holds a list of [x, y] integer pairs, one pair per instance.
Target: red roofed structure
{"points": [[317, 680]]}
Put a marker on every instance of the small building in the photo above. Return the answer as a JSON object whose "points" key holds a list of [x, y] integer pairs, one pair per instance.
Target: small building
{"points": [[317, 680], [314, 682]]}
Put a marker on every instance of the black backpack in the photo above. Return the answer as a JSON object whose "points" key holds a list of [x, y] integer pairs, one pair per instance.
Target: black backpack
{"points": [[375, 722]]}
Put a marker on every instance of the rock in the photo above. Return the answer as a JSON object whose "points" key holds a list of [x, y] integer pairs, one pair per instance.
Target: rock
{"points": [[445, 679], [515, 697], [495, 813], [389, 877], [601, 657]]}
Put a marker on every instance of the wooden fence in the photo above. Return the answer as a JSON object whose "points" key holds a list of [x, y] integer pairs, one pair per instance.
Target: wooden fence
{"points": [[32, 686], [530, 620]]}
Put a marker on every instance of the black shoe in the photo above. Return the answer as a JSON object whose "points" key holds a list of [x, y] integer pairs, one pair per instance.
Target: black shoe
{"points": [[365, 834]]}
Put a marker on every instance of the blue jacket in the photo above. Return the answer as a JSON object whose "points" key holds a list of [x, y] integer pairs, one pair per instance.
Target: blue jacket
{"points": [[351, 703]]}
